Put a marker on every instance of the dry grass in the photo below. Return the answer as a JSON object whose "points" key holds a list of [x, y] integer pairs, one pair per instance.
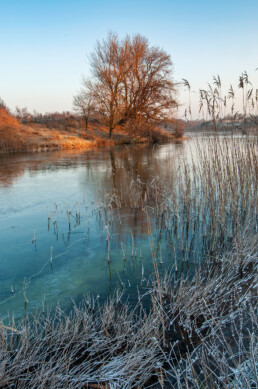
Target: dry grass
{"points": [[211, 194], [17, 137], [25, 138], [210, 330], [65, 131], [103, 142], [7, 120], [10, 136]]}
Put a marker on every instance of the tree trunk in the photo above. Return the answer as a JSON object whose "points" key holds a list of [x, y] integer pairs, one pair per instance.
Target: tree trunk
{"points": [[111, 122], [86, 122]]}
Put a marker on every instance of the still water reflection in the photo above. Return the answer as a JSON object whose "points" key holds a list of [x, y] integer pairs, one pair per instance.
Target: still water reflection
{"points": [[51, 205]]}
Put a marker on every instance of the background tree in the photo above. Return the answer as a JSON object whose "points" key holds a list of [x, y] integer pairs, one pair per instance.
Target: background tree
{"points": [[83, 103], [23, 115], [132, 82]]}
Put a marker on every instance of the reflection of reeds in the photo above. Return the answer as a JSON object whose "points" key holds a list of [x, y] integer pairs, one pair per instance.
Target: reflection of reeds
{"points": [[123, 250], [108, 242], [48, 216], [68, 213], [25, 285], [132, 243], [34, 237], [51, 256]]}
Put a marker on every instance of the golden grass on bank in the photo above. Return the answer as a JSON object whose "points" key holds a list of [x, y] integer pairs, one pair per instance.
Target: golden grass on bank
{"points": [[57, 131], [10, 136], [7, 120]]}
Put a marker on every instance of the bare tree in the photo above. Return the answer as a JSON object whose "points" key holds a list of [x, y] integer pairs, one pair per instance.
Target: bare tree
{"points": [[83, 103], [148, 85], [23, 114], [131, 82], [108, 64]]}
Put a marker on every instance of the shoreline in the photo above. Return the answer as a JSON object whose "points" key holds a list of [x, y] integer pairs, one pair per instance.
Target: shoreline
{"points": [[61, 132], [60, 140]]}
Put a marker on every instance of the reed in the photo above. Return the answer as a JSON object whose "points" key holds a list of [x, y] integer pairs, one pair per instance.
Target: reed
{"points": [[68, 213], [108, 242], [204, 205]]}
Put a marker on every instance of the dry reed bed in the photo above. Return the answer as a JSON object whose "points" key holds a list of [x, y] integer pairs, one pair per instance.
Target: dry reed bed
{"points": [[215, 192], [203, 203]]}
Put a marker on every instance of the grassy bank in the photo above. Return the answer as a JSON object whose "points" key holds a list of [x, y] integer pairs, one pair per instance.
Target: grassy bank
{"points": [[58, 132]]}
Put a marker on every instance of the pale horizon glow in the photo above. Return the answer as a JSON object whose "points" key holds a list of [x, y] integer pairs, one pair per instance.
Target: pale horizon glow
{"points": [[45, 45]]}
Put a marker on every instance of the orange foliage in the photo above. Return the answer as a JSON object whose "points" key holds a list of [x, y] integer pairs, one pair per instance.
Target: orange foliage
{"points": [[7, 120], [10, 138]]}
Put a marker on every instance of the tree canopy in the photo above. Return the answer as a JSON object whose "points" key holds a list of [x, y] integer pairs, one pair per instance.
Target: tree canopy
{"points": [[131, 82]]}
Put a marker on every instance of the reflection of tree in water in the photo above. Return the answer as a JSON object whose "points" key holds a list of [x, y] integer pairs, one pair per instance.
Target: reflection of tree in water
{"points": [[137, 166], [9, 172], [134, 185], [139, 161], [13, 166], [124, 174]]}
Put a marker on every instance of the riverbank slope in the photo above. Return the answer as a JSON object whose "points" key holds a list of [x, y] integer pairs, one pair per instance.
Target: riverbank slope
{"points": [[69, 133]]}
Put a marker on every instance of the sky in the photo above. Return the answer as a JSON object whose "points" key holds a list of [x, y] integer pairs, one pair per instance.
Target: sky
{"points": [[45, 44]]}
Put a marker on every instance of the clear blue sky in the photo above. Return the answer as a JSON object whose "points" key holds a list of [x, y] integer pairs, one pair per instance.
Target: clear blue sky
{"points": [[45, 44]]}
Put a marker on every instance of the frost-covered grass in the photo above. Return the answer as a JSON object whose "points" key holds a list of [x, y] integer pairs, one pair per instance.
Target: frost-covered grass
{"points": [[210, 335], [216, 315]]}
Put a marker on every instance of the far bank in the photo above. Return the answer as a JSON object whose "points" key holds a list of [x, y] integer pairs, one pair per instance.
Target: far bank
{"points": [[65, 131]]}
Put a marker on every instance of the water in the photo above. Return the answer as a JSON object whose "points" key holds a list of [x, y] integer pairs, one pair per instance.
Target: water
{"points": [[75, 183], [74, 186]]}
